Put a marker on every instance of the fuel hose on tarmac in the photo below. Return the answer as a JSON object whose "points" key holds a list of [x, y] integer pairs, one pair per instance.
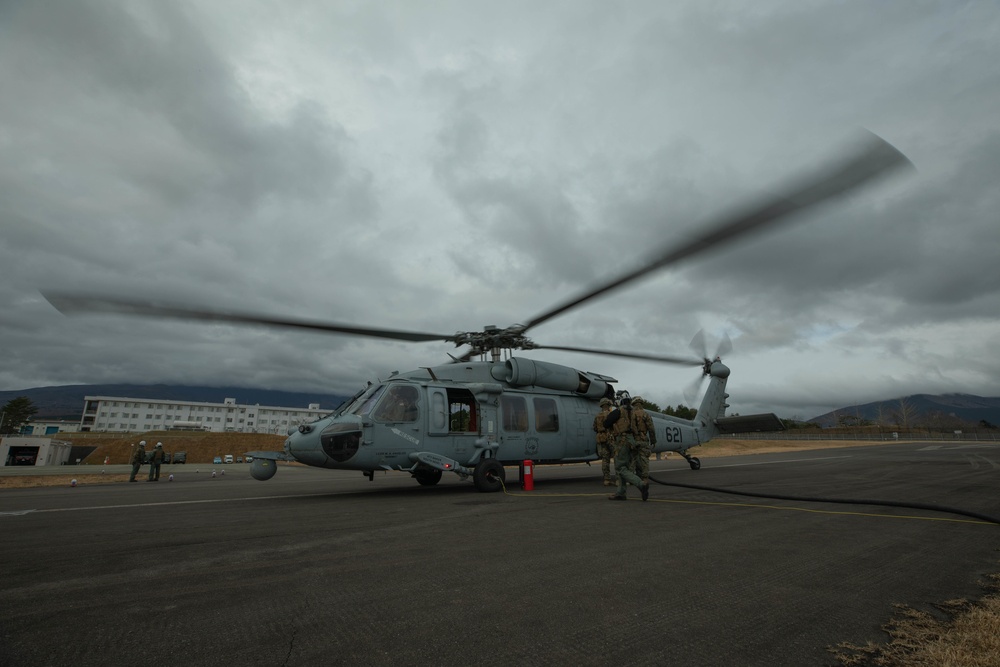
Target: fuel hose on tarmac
{"points": [[842, 501]]}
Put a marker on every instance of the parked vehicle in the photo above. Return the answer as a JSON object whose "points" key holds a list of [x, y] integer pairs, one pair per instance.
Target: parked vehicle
{"points": [[180, 457], [217, 460], [229, 458]]}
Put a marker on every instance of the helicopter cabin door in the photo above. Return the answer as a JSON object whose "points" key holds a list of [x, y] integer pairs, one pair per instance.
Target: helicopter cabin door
{"points": [[454, 421], [530, 428]]}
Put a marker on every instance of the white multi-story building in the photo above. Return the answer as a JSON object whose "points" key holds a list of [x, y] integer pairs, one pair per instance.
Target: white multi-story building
{"points": [[121, 414]]}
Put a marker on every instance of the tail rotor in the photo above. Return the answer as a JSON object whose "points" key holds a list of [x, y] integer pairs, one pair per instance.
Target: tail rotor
{"points": [[699, 346]]}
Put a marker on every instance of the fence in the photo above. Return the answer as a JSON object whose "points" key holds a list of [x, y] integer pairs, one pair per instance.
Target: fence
{"points": [[983, 435]]}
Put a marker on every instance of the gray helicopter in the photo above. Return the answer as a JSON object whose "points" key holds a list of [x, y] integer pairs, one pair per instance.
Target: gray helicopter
{"points": [[472, 417]]}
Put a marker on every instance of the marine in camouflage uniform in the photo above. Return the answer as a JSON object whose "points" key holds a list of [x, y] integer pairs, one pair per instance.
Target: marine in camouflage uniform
{"points": [[645, 438], [138, 457], [605, 440], [622, 422]]}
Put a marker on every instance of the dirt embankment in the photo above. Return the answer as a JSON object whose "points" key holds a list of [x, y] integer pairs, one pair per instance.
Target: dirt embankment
{"points": [[203, 447], [727, 447], [200, 447]]}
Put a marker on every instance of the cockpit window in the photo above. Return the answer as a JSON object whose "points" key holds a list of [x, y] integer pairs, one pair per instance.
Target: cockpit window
{"points": [[365, 403], [346, 405], [399, 404]]}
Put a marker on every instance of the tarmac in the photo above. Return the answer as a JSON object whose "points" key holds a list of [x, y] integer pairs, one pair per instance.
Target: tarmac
{"points": [[317, 567]]}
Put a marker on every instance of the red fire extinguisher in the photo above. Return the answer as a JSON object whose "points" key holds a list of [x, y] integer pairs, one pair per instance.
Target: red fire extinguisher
{"points": [[527, 476]]}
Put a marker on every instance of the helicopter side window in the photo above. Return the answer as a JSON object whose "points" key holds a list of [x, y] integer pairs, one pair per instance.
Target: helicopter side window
{"points": [[462, 412], [398, 405], [438, 413], [546, 415], [515, 413]]}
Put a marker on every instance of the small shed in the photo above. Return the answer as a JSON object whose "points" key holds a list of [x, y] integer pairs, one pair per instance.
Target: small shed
{"points": [[34, 451]]}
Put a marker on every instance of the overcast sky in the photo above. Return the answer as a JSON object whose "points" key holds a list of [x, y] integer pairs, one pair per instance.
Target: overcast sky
{"points": [[441, 166]]}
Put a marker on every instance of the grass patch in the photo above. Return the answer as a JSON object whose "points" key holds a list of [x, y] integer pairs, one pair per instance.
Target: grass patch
{"points": [[968, 636]]}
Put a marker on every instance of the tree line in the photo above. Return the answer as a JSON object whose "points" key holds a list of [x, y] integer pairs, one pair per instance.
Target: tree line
{"points": [[16, 414]]}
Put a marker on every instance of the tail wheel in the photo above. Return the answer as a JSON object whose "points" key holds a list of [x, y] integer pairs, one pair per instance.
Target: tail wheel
{"points": [[489, 476]]}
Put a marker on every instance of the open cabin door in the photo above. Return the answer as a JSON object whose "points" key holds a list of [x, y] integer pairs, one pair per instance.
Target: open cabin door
{"points": [[454, 418]]}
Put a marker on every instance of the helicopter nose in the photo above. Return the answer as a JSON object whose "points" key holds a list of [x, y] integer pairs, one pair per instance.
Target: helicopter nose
{"points": [[341, 440], [318, 444], [305, 447]]}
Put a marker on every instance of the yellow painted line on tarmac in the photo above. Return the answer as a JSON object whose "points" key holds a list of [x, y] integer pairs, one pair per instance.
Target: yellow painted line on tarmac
{"points": [[161, 504]]}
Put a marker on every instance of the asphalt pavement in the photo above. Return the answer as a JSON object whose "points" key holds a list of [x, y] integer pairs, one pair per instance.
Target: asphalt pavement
{"points": [[320, 567]]}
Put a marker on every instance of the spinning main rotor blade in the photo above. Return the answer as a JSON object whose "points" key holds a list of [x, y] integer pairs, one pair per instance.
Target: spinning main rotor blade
{"points": [[875, 157], [681, 361], [71, 303]]}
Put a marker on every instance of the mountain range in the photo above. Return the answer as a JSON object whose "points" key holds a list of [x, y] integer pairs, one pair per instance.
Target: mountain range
{"points": [[66, 401], [945, 411]]}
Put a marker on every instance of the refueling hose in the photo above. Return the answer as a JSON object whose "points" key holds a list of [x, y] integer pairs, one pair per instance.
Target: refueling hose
{"points": [[842, 501]]}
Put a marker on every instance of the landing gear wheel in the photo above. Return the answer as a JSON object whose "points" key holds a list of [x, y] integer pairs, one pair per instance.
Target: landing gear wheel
{"points": [[694, 463], [427, 477], [489, 476]]}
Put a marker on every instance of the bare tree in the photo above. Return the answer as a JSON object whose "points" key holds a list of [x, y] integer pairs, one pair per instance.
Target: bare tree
{"points": [[906, 413]]}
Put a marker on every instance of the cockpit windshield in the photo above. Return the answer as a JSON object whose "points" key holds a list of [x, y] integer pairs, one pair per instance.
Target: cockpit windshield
{"points": [[363, 405], [348, 404]]}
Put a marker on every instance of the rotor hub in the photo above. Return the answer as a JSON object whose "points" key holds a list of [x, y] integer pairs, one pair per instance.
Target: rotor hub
{"points": [[494, 338]]}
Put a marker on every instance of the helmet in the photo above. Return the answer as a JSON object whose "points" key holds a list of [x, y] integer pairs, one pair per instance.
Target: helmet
{"points": [[605, 401], [159, 445], [636, 400], [142, 443]]}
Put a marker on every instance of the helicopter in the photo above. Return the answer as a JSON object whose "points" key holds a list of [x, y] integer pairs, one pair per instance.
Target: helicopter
{"points": [[474, 417]]}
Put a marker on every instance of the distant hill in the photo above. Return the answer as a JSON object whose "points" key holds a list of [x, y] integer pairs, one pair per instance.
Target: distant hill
{"points": [[949, 410], [66, 401]]}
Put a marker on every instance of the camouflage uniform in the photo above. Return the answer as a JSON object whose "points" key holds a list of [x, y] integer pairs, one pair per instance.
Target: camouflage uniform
{"points": [[155, 459], [137, 459], [622, 421], [645, 438], [605, 440]]}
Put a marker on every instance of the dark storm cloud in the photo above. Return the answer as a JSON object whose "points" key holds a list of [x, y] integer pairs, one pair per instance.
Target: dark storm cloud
{"points": [[451, 165]]}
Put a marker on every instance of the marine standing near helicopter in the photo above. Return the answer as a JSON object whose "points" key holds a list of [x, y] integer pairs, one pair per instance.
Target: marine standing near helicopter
{"points": [[645, 438], [138, 454], [605, 440], [155, 459], [622, 422]]}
